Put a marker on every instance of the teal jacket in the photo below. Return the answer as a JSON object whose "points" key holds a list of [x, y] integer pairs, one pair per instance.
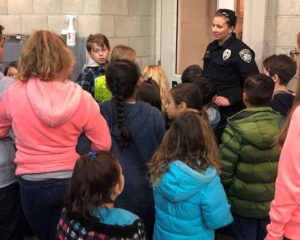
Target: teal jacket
{"points": [[250, 160], [189, 205]]}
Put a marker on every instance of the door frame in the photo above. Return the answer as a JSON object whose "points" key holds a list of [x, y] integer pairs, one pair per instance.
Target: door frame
{"points": [[166, 30]]}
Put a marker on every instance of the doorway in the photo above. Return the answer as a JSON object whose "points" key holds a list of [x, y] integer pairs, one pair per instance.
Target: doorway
{"points": [[193, 31], [185, 30]]}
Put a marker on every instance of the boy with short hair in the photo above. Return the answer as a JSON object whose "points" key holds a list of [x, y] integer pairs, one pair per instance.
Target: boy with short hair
{"points": [[281, 69], [92, 76], [190, 73], [250, 159]]}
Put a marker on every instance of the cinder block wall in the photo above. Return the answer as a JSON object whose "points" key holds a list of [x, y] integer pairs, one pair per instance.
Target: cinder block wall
{"points": [[270, 28], [281, 29], [129, 22], [282, 26]]}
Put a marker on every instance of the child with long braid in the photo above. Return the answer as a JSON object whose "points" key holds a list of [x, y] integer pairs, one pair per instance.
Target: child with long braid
{"points": [[137, 129]]}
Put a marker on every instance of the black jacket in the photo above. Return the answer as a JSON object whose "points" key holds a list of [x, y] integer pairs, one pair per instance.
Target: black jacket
{"points": [[229, 65]]}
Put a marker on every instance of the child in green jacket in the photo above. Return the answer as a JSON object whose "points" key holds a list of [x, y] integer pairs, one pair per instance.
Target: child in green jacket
{"points": [[250, 159]]}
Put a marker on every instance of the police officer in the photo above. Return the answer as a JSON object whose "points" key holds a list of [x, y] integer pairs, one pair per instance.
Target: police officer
{"points": [[228, 61]]}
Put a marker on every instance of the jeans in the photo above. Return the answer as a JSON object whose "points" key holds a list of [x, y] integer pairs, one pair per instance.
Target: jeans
{"points": [[11, 215], [250, 228], [42, 202]]}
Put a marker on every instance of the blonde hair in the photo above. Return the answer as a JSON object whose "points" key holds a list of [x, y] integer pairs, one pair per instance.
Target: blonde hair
{"points": [[45, 56], [191, 140], [122, 52], [160, 77], [283, 133]]}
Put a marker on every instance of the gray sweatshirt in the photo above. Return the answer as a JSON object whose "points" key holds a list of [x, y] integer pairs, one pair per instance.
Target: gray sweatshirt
{"points": [[7, 147]]}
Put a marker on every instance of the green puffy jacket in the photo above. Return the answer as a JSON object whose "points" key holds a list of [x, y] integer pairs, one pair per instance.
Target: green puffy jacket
{"points": [[250, 159]]}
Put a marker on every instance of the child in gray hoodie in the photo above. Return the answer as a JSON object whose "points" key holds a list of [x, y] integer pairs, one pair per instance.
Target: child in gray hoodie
{"points": [[11, 216]]}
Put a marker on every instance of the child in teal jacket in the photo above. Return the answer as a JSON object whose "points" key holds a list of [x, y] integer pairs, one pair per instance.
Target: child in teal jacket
{"points": [[190, 201]]}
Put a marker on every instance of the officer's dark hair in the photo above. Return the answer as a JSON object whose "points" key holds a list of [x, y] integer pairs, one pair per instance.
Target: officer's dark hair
{"points": [[259, 89], [282, 66], [188, 93], [207, 86], [122, 77], [190, 73], [229, 15]]}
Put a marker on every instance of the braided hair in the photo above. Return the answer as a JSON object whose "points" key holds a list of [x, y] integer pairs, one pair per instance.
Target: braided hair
{"points": [[122, 77]]}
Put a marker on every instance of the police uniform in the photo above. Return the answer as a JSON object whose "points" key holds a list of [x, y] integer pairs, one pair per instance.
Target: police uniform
{"points": [[229, 64]]}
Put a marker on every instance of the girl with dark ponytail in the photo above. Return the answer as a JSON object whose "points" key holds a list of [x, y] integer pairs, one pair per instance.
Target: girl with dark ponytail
{"points": [[124, 76], [137, 130]]}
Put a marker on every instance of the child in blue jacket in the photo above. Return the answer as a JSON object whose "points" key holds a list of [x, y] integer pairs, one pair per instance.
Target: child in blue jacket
{"points": [[136, 129], [190, 201]]}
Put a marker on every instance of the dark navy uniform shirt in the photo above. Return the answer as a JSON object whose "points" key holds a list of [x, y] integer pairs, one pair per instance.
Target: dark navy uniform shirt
{"points": [[229, 65]]}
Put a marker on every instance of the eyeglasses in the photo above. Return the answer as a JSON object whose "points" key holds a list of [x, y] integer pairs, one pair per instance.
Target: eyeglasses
{"points": [[294, 53]]}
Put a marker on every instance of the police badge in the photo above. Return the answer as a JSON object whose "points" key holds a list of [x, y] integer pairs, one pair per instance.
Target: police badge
{"points": [[226, 54], [246, 55]]}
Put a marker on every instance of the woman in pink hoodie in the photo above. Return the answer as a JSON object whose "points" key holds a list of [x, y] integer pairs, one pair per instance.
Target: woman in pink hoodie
{"points": [[285, 208], [48, 112]]}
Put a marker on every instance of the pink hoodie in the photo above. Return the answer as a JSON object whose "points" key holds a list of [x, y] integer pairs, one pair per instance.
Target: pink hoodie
{"points": [[47, 118], [285, 208]]}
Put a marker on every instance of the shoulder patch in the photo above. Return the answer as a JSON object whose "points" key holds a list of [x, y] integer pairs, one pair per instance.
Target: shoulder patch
{"points": [[246, 55], [226, 54]]}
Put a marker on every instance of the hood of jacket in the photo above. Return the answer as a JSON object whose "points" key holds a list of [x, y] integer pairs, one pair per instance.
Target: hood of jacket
{"points": [[54, 102], [258, 126], [91, 63], [181, 182]]}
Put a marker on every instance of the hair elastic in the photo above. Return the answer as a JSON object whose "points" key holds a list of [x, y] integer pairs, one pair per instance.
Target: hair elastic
{"points": [[92, 154]]}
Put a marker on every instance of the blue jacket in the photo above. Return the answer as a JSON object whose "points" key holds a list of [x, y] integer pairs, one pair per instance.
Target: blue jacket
{"points": [[147, 129], [189, 205], [114, 224]]}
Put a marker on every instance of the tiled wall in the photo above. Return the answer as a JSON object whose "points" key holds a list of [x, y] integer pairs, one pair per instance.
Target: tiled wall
{"points": [[288, 24], [129, 22], [282, 26], [132, 22], [270, 28]]}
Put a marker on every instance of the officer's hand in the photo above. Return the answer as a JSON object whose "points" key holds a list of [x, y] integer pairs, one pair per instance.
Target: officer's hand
{"points": [[221, 101]]}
